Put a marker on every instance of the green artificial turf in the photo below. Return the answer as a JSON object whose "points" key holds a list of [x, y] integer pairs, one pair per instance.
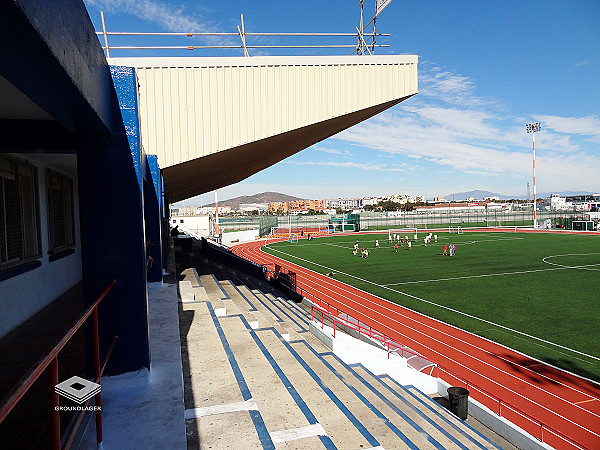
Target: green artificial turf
{"points": [[542, 285]]}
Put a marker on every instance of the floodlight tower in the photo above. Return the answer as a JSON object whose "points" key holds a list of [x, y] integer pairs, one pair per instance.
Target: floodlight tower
{"points": [[532, 128]]}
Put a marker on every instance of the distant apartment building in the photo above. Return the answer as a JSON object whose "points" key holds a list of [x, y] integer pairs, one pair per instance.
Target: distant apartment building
{"points": [[187, 211], [344, 203], [275, 207], [211, 210], [306, 205], [369, 201], [578, 202], [461, 207]]}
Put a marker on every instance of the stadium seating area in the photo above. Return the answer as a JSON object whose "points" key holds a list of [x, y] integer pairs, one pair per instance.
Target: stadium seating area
{"points": [[253, 373]]}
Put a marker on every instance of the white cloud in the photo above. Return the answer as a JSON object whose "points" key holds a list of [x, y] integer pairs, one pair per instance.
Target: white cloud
{"points": [[331, 151], [449, 87], [168, 17], [478, 141], [350, 165], [588, 125]]}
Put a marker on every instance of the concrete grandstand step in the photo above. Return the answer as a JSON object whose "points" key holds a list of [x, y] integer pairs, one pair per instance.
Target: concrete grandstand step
{"points": [[186, 292], [469, 430], [331, 411], [373, 414], [441, 415], [281, 312], [213, 287], [292, 304], [277, 400], [261, 314], [286, 309], [431, 419], [209, 381]]}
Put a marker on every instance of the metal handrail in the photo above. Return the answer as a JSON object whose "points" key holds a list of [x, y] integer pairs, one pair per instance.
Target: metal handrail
{"points": [[50, 360], [378, 336]]}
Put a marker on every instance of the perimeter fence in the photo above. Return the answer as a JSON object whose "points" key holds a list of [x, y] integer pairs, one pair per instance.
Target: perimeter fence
{"points": [[409, 219], [492, 218]]}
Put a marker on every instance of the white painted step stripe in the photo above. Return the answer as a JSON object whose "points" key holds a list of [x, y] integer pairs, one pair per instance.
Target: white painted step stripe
{"points": [[248, 405], [297, 433]]}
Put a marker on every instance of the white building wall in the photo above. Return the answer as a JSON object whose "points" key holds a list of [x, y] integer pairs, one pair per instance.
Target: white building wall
{"points": [[24, 295], [199, 225]]}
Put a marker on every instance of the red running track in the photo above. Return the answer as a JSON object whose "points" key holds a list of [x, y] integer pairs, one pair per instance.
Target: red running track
{"points": [[544, 401]]}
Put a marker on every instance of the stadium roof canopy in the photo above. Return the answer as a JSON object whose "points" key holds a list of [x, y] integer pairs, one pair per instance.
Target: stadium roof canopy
{"points": [[216, 121]]}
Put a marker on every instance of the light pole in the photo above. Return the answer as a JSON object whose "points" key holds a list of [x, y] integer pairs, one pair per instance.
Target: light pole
{"points": [[532, 128]]}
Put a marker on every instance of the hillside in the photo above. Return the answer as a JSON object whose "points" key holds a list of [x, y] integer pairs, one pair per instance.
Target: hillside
{"points": [[263, 197], [480, 195]]}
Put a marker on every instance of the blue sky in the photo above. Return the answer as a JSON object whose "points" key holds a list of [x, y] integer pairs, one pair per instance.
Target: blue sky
{"points": [[485, 70]]}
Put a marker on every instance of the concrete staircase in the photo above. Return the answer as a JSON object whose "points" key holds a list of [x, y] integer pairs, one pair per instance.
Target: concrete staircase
{"points": [[255, 377]]}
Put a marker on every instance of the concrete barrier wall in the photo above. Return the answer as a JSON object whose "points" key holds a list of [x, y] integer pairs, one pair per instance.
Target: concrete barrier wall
{"points": [[240, 236], [509, 431]]}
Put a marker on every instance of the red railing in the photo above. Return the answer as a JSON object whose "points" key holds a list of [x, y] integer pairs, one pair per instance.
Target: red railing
{"points": [[543, 428], [50, 361], [367, 331]]}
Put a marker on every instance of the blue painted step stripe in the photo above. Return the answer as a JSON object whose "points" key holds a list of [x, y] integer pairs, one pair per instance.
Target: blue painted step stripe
{"points": [[437, 409], [326, 440], [259, 424], [359, 426], [303, 328], [291, 310], [396, 409], [279, 319], [355, 391], [225, 294], [253, 308]]}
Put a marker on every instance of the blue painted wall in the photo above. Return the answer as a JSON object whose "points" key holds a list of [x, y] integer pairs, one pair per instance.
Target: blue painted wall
{"points": [[113, 240], [51, 53], [126, 89]]}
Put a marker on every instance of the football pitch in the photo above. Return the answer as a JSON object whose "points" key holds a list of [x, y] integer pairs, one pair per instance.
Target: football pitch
{"points": [[535, 293]]}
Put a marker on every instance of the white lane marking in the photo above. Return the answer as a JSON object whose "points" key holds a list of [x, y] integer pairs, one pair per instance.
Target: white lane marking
{"points": [[248, 405]]}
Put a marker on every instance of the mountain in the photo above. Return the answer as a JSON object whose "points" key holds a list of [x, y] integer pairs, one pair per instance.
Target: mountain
{"points": [[480, 195], [264, 197]]}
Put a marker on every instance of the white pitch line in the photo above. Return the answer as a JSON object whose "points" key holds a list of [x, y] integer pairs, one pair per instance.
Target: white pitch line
{"points": [[476, 276], [442, 306], [582, 267]]}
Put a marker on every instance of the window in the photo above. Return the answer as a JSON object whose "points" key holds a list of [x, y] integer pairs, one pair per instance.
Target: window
{"points": [[20, 239], [60, 212]]}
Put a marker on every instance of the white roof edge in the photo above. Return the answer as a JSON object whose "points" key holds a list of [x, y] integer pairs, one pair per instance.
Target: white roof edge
{"points": [[241, 61]]}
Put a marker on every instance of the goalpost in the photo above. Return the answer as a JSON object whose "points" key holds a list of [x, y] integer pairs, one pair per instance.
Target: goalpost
{"points": [[582, 225], [393, 232], [456, 229], [293, 238]]}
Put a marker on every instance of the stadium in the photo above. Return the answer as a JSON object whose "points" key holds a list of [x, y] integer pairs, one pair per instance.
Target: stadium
{"points": [[119, 330]]}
